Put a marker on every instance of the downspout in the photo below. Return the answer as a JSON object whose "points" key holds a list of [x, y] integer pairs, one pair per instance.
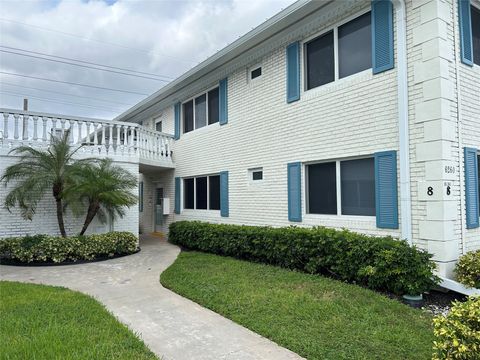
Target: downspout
{"points": [[403, 128]]}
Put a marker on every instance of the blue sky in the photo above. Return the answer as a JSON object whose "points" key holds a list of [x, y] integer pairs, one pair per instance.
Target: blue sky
{"points": [[152, 37]]}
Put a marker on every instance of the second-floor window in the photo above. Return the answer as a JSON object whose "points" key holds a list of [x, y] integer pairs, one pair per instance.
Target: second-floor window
{"points": [[341, 52], [201, 111], [476, 34]]}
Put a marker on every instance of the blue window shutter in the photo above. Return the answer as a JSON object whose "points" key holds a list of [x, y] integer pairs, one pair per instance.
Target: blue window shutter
{"points": [[224, 194], [465, 25], [471, 188], [293, 72], [140, 196], [177, 121], [177, 195], [382, 36], [294, 185], [223, 101], [386, 193]]}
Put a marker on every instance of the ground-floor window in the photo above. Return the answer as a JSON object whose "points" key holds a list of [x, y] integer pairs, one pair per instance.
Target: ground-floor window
{"points": [[341, 187], [202, 192]]}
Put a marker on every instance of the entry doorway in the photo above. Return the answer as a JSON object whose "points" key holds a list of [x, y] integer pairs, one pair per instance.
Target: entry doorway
{"points": [[158, 210]]}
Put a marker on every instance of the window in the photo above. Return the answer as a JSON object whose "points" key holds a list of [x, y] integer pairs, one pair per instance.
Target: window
{"points": [[189, 190], [255, 73], [322, 188], [355, 46], [358, 187], [158, 126], [213, 106], [478, 168], [341, 187], [214, 187], [354, 49], [201, 111], [476, 34], [188, 116], [320, 61], [257, 175], [140, 196], [202, 192]]}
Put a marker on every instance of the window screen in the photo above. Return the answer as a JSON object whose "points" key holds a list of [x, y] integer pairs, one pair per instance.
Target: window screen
{"points": [[355, 46], [358, 187], [201, 111], [213, 106], [256, 73], [188, 116], [188, 190], [214, 188], [322, 189], [201, 189], [257, 175], [476, 34], [320, 61]]}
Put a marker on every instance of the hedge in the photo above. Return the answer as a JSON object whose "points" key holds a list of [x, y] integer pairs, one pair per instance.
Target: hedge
{"points": [[45, 248], [457, 335], [379, 263], [468, 269]]}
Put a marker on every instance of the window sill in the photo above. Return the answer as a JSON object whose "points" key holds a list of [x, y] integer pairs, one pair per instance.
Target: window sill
{"points": [[356, 218], [194, 212]]}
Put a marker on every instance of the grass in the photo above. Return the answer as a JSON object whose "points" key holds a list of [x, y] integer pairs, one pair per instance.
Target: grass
{"points": [[314, 316], [45, 322]]}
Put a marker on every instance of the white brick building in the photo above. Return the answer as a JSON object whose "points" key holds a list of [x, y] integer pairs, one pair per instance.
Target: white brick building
{"points": [[348, 114]]}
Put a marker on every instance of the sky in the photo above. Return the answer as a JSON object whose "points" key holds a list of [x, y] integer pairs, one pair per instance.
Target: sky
{"points": [[143, 44]]}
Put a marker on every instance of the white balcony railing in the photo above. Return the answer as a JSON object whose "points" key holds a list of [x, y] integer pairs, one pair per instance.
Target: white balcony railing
{"points": [[102, 137]]}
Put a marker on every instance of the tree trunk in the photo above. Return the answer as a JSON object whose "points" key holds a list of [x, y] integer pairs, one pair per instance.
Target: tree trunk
{"points": [[92, 211], [57, 189]]}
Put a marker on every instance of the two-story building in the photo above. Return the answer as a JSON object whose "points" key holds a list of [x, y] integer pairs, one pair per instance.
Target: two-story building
{"points": [[349, 114]]}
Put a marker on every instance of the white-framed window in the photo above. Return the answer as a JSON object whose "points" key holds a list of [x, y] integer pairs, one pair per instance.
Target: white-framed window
{"points": [[342, 187], [341, 51], [255, 175], [201, 110], [202, 192], [475, 17], [255, 72]]}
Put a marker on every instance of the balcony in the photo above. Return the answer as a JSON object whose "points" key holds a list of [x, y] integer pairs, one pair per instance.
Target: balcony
{"points": [[120, 141]]}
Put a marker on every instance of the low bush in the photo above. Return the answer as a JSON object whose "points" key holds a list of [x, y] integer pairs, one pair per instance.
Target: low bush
{"points": [[457, 335], [45, 248], [468, 269], [379, 263]]}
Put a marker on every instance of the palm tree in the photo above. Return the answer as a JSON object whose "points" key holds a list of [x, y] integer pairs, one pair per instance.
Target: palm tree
{"points": [[104, 188], [40, 170]]}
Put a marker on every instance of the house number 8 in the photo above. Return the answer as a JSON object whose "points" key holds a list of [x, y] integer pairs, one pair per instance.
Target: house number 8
{"points": [[448, 190], [430, 191]]}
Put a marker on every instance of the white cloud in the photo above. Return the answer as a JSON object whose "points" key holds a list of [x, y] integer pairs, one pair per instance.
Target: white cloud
{"points": [[162, 37]]}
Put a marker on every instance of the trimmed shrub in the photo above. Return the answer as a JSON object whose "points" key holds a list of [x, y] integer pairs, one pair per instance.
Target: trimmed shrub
{"points": [[468, 269], [457, 335], [379, 263], [45, 248]]}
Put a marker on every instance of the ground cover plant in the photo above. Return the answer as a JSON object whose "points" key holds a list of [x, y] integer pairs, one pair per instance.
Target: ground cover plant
{"points": [[46, 248]]}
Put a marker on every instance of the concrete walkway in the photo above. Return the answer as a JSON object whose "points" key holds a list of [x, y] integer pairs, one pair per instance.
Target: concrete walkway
{"points": [[172, 326]]}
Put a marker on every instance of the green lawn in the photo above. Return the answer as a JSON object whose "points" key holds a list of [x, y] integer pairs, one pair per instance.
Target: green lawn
{"points": [[316, 317], [45, 322]]}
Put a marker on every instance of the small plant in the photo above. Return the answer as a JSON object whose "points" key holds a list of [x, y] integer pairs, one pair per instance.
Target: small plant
{"points": [[379, 263], [457, 335], [468, 269], [45, 248]]}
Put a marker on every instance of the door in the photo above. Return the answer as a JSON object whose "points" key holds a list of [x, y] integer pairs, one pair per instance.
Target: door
{"points": [[158, 209]]}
